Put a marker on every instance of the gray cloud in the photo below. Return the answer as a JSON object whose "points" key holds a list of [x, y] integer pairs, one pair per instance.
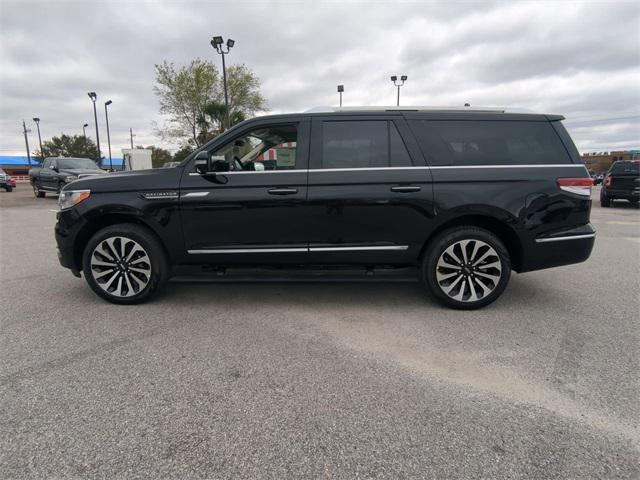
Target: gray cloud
{"points": [[580, 59]]}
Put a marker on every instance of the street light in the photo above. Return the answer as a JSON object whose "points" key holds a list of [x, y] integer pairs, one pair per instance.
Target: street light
{"points": [[93, 97], [106, 114], [217, 43], [394, 79], [37, 120], [340, 90], [84, 134]]}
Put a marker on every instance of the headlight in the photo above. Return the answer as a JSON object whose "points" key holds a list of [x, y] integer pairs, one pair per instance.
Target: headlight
{"points": [[70, 178], [70, 198]]}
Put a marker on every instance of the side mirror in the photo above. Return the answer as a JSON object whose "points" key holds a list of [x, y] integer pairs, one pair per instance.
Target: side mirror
{"points": [[53, 167], [203, 162]]}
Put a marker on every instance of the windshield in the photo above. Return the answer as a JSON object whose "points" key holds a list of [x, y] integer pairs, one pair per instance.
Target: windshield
{"points": [[70, 163], [625, 168]]}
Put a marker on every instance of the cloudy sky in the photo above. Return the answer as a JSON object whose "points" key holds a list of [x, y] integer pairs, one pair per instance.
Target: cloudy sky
{"points": [[577, 58]]}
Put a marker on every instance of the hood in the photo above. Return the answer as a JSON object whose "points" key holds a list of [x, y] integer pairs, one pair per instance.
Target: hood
{"points": [[153, 179], [82, 171]]}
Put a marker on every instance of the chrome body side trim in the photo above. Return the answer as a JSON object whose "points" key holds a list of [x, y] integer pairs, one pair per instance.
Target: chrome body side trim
{"points": [[562, 239], [358, 249], [373, 169], [248, 250], [195, 194], [297, 249]]}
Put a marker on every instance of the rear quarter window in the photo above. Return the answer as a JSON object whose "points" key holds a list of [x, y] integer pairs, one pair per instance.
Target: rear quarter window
{"points": [[485, 142]]}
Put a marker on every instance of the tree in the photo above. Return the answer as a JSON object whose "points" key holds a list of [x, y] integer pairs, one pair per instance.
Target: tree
{"points": [[69, 146], [183, 94], [192, 97], [159, 156], [183, 153]]}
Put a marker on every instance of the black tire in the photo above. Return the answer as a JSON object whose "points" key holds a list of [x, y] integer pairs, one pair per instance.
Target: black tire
{"points": [[605, 202], [9, 188], [634, 203], [120, 275], [492, 272], [37, 192]]}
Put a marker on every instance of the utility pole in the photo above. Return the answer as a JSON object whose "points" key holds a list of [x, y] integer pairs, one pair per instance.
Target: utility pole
{"points": [[131, 135], [26, 141], [37, 120]]}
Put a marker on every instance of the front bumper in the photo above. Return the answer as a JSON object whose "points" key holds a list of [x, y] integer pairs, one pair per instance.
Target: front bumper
{"points": [[66, 230]]}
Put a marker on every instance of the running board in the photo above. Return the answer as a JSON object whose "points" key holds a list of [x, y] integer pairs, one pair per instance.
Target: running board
{"points": [[300, 275]]}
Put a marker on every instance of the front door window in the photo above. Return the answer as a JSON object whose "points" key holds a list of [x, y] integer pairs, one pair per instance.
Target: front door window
{"points": [[269, 148]]}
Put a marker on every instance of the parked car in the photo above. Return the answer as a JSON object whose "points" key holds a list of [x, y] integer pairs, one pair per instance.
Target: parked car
{"points": [[621, 182], [6, 181], [56, 172], [170, 164], [463, 197]]}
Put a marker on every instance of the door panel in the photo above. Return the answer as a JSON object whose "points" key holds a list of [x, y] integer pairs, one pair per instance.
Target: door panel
{"points": [[247, 216], [370, 214]]}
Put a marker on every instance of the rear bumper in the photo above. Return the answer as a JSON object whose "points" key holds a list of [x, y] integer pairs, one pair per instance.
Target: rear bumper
{"points": [[621, 193], [560, 248]]}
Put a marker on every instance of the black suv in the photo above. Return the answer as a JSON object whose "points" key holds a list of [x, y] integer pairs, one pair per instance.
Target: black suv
{"points": [[622, 182], [464, 196]]}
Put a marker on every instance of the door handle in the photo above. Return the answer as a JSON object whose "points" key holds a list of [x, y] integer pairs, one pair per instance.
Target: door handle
{"points": [[405, 189], [283, 191]]}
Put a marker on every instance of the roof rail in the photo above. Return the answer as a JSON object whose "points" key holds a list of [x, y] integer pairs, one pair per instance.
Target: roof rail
{"points": [[329, 109]]}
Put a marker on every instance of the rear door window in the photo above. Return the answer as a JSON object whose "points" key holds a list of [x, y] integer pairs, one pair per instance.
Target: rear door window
{"points": [[362, 144], [478, 142]]}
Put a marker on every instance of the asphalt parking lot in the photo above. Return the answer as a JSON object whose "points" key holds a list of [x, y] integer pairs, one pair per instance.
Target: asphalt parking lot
{"points": [[290, 380]]}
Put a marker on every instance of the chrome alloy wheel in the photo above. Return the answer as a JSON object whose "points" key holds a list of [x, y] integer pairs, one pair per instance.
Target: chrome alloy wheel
{"points": [[468, 270], [120, 266]]}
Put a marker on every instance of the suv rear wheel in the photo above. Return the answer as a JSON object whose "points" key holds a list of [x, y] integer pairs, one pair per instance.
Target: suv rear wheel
{"points": [[125, 264], [466, 267]]}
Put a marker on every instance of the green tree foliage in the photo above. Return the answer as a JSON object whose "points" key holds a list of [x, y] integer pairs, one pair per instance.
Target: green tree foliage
{"points": [[159, 156], [192, 97], [183, 93], [183, 153], [68, 146]]}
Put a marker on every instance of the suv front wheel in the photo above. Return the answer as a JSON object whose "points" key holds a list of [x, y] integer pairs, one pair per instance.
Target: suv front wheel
{"points": [[466, 267], [125, 264]]}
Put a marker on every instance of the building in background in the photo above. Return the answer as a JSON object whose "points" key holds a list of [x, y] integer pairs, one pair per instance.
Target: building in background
{"points": [[599, 162]]}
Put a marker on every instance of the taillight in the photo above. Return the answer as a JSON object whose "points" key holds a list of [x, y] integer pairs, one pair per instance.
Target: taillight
{"points": [[607, 181], [579, 186]]}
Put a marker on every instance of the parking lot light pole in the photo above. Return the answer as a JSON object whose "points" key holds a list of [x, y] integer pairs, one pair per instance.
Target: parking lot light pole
{"points": [[394, 79], [84, 134], [131, 135], [218, 43], [37, 120], [340, 90], [106, 114], [26, 141], [93, 97]]}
